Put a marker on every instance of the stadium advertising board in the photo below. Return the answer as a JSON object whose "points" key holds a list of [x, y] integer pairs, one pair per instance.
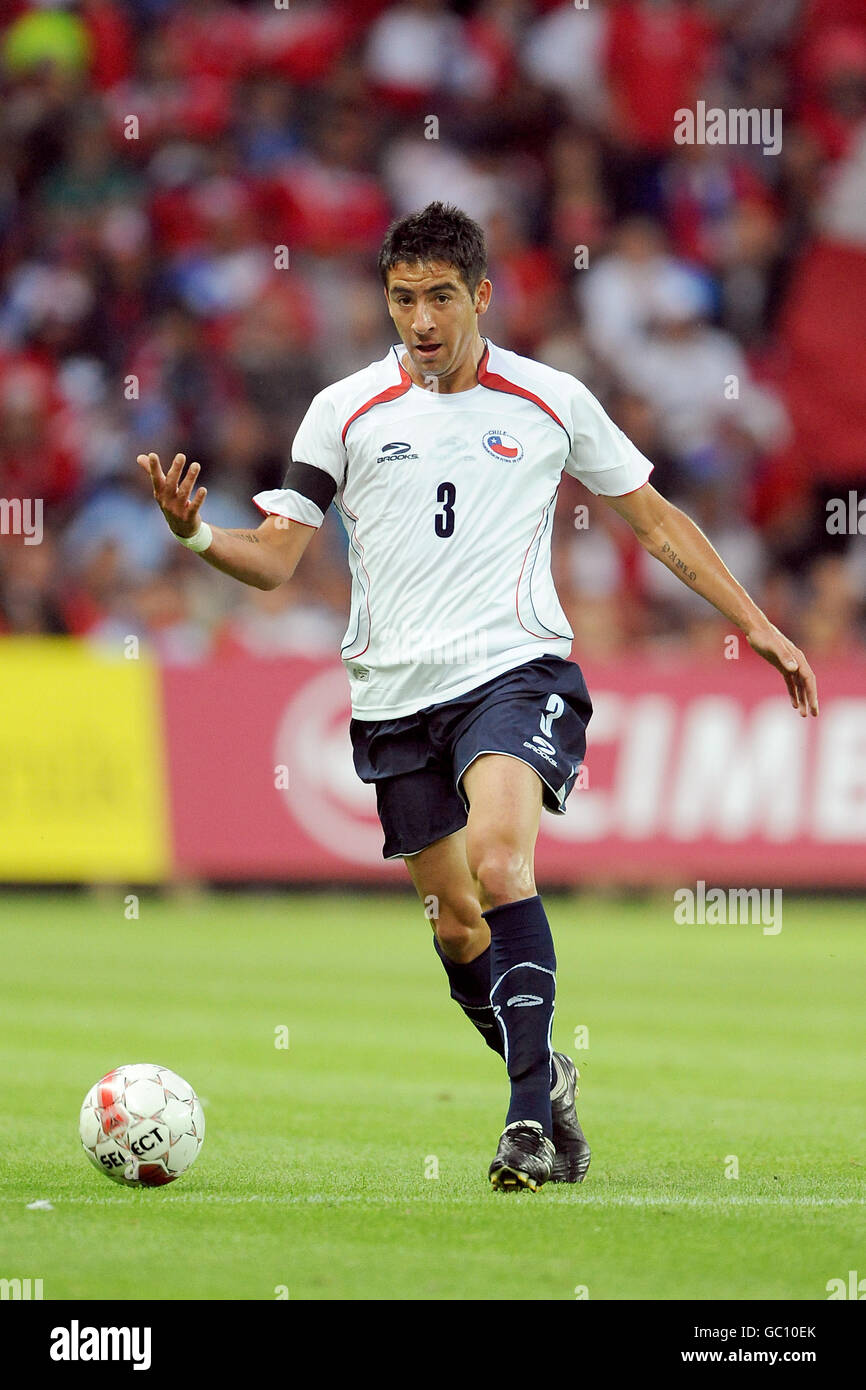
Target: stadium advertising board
{"points": [[690, 772], [82, 786], [118, 771]]}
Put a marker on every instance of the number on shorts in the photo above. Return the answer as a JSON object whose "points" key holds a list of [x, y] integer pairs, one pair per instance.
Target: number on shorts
{"points": [[553, 709]]}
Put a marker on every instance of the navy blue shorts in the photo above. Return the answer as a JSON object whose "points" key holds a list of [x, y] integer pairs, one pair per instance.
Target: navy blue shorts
{"points": [[537, 712]]}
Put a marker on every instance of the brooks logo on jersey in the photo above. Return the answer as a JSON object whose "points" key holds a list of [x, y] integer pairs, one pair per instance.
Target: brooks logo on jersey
{"points": [[503, 445], [397, 450]]}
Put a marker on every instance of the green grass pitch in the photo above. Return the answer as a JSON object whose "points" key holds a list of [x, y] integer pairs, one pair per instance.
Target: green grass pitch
{"points": [[711, 1048]]}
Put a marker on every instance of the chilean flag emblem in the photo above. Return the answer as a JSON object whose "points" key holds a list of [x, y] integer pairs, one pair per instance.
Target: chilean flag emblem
{"points": [[503, 445]]}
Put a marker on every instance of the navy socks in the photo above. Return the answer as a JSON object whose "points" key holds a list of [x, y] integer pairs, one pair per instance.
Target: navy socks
{"points": [[470, 986], [508, 994], [523, 966]]}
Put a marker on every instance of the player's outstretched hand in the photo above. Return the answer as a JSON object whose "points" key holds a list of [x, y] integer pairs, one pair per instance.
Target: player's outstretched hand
{"points": [[774, 647], [174, 493]]}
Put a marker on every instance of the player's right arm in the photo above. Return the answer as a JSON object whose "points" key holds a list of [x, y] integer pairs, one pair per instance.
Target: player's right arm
{"points": [[264, 558]]}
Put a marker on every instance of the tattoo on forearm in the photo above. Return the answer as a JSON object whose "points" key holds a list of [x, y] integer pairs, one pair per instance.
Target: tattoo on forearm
{"points": [[678, 563]]}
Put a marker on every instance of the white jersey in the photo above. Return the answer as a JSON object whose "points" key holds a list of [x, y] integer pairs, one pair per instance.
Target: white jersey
{"points": [[448, 502]]}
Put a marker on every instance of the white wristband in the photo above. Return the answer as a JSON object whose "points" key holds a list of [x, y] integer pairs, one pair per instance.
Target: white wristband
{"points": [[200, 541]]}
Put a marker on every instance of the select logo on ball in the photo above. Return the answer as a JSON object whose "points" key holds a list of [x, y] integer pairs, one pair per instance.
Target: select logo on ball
{"points": [[503, 446], [142, 1125]]}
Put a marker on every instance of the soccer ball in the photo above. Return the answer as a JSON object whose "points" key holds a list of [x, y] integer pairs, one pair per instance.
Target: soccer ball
{"points": [[142, 1125]]}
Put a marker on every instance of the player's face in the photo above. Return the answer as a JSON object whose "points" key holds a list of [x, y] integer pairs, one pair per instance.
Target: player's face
{"points": [[437, 318]]}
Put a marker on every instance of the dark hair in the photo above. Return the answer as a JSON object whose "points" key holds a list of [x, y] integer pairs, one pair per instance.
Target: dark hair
{"points": [[438, 233]]}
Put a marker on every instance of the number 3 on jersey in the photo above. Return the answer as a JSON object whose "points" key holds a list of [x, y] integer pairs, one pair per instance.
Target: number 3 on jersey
{"points": [[444, 520]]}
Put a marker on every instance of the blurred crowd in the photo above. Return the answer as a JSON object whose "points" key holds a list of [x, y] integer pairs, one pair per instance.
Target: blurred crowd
{"points": [[192, 196]]}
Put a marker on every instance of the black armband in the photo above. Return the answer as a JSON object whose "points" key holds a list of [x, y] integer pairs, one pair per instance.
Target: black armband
{"points": [[311, 482]]}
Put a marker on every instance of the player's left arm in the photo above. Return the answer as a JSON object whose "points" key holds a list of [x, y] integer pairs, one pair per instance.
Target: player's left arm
{"points": [[672, 537]]}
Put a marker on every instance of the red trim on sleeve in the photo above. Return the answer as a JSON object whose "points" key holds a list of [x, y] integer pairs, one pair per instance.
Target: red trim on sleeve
{"points": [[631, 490], [282, 514], [390, 394], [494, 382]]}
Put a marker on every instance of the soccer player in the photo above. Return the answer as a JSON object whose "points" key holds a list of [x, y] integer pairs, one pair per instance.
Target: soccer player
{"points": [[444, 461]]}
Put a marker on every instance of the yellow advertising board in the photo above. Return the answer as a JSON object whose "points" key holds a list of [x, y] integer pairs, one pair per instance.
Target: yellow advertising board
{"points": [[83, 793]]}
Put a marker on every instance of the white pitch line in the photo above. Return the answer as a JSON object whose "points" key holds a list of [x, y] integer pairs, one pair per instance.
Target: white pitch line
{"points": [[582, 1199]]}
